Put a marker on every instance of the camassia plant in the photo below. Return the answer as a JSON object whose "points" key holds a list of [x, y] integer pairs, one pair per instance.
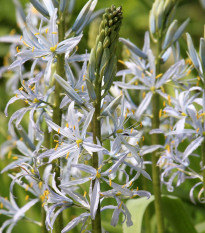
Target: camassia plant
{"points": [[86, 136]]}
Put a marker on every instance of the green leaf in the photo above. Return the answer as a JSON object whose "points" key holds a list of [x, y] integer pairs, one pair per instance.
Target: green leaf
{"points": [[173, 209], [137, 209], [177, 215], [200, 227]]}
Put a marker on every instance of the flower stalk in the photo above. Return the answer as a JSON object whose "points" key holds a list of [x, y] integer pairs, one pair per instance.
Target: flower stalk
{"points": [[102, 68], [57, 113], [155, 156]]}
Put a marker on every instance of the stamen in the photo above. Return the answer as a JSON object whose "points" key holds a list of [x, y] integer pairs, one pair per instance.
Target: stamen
{"points": [[122, 62], [85, 193], [67, 155], [110, 182], [27, 197], [9, 154], [78, 142], [40, 184], [144, 94], [36, 34], [18, 50], [160, 113], [53, 49], [98, 175], [158, 76]]}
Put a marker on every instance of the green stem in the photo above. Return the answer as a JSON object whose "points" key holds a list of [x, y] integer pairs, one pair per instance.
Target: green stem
{"points": [[155, 157], [203, 147], [43, 219], [57, 113], [96, 224], [203, 162]]}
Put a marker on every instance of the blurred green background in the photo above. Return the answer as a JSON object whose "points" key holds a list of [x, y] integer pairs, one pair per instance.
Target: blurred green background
{"points": [[135, 23]]}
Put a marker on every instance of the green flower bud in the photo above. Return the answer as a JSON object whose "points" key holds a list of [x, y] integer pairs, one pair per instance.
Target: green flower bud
{"points": [[103, 53]]}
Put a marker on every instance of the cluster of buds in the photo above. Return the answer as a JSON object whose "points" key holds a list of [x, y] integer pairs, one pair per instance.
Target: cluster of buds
{"points": [[103, 61]]}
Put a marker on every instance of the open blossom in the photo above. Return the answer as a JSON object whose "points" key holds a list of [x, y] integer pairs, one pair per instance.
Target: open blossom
{"points": [[44, 44]]}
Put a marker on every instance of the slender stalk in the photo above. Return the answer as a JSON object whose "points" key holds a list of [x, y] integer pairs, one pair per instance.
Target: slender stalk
{"points": [[43, 219], [57, 113], [203, 143], [155, 157], [203, 162], [96, 224]]}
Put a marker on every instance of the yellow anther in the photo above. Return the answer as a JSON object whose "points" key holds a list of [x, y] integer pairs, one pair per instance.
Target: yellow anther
{"points": [[33, 48], [85, 193], [120, 205], [122, 62], [36, 34], [160, 113], [67, 155], [158, 76], [167, 147], [197, 130], [40, 184], [53, 49], [59, 130], [110, 170], [131, 131], [1, 205], [27, 197], [26, 44], [141, 124], [123, 186], [17, 49], [67, 125], [56, 146], [21, 89], [133, 111], [31, 184], [119, 131], [198, 78], [98, 175], [164, 103], [143, 138], [9, 154], [46, 31], [118, 193], [82, 88], [110, 182], [143, 94], [35, 100], [26, 188], [188, 72], [169, 99], [162, 89], [26, 101], [137, 189], [173, 141], [188, 61], [183, 114], [143, 75], [152, 89], [78, 142], [56, 140], [21, 38], [125, 115], [136, 83], [15, 157], [33, 88], [202, 114], [74, 127], [55, 33], [130, 184]]}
